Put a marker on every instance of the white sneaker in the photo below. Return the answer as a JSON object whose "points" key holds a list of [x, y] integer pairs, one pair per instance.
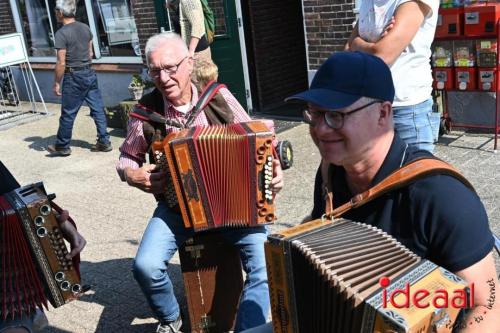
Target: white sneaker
{"points": [[170, 327]]}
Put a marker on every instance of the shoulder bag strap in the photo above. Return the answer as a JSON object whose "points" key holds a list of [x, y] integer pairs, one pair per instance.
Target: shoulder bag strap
{"points": [[205, 97], [405, 175]]}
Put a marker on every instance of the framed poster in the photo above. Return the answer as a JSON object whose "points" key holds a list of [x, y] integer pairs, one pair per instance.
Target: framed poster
{"points": [[12, 50]]}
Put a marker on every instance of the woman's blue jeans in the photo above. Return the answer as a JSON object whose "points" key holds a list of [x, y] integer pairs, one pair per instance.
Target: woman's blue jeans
{"points": [[417, 124], [78, 87], [162, 237]]}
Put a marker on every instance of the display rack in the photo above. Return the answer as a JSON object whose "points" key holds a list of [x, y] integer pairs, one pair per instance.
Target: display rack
{"points": [[446, 115]]}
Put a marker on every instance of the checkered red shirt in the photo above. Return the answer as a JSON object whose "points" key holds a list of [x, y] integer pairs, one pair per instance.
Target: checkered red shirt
{"points": [[134, 148]]}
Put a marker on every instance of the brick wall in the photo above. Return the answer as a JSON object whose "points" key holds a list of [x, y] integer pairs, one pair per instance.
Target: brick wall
{"points": [[6, 21], [328, 26], [145, 20]]}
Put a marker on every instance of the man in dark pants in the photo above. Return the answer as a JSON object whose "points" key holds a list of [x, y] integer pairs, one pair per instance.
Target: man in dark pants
{"points": [[73, 42]]}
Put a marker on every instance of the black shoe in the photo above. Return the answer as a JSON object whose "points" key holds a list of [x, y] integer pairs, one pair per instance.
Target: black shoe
{"points": [[99, 146], [55, 150]]}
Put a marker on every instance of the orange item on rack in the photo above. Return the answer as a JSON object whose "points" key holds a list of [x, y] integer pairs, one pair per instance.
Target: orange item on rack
{"points": [[465, 78], [443, 78], [464, 54], [481, 19], [450, 22], [486, 79]]}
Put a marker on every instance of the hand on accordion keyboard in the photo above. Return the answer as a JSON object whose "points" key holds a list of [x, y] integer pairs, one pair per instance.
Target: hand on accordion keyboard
{"points": [[277, 181], [147, 178], [70, 233]]}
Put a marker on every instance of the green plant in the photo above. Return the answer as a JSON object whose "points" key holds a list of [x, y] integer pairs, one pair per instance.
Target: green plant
{"points": [[137, 81]]}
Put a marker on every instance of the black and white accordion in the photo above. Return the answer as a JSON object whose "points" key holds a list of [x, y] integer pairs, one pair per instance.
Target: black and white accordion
{"points": [[351, 277], [33, 264]]}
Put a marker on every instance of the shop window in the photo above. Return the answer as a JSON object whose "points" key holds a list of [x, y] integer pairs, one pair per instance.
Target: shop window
{"points": [[39, 24], [117, 32], [111, 20]]}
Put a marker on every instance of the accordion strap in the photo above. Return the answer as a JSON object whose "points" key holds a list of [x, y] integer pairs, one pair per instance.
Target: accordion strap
{"points": [[409, 173], [206, 96]]}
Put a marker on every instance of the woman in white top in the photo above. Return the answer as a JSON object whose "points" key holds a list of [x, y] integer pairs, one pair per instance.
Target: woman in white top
{"points": [[401, 33]]}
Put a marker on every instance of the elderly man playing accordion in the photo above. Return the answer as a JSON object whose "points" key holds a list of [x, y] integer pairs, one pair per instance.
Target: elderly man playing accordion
{"points": [[171, 66]]}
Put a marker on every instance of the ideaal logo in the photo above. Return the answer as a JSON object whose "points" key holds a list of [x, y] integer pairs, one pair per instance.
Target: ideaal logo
{"points": [[440, 298]]}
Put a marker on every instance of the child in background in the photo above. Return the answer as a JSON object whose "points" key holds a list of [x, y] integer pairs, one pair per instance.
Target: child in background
{"points": [[205, 73]]}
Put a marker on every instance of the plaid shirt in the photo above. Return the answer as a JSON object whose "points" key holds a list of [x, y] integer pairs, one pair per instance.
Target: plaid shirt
{"points": [[134, 148]]}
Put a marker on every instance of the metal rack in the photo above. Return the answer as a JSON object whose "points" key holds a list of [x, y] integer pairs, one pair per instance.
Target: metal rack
{"points": [[448, 121]]}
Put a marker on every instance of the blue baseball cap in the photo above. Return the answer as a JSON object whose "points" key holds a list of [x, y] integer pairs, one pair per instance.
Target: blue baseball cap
{"points": [[344, 78]]}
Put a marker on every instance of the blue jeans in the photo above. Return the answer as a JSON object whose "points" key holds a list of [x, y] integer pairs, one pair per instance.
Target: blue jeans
{"points": [[417, 124], [165, 233], [78, 87]]}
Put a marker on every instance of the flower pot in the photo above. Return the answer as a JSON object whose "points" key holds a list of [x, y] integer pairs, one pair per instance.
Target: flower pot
{"points": [[136, 92]]}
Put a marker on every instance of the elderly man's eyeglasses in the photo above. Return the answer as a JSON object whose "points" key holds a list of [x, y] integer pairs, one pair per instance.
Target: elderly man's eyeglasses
{"points": [[154, 73], [334, 119]]}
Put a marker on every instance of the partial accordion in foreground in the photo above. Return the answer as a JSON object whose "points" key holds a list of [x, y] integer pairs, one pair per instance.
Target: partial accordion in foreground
{"points": [[33, 264], [222, 174], [350, 277]]}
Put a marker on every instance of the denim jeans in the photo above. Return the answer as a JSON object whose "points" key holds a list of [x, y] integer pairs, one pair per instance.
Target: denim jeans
{"points": [[417, 124], [78, 87], [165, 233]]}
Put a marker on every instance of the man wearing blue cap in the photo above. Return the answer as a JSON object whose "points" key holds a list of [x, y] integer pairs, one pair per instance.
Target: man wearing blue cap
{"points": [[349, 110]]}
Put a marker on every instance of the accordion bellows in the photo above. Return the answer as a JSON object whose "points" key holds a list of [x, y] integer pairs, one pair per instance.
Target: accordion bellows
{"points": [[222, 175], [325, 277], [33, 264]]}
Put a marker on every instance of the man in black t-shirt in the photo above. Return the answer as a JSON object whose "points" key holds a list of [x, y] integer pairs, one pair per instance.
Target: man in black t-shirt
{"points": [[73, 42], [34, 321], [349, 109]]}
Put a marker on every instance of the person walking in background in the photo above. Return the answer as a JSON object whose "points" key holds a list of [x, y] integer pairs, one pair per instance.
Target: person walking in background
{"points": [[73, 42], [401, 32], [189, 22]]}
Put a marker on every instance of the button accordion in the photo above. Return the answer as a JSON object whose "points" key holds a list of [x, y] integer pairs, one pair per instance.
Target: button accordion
{"points": [[33, 264], [350, 277], [221, 174]]}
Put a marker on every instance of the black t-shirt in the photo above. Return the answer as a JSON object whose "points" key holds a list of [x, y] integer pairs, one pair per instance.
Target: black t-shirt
{"points": [[75, 38], [7, 181], [436, 217]]}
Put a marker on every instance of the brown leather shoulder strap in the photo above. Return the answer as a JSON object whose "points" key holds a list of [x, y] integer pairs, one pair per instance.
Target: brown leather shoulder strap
{"points": [[416, 169], [326, 186]]}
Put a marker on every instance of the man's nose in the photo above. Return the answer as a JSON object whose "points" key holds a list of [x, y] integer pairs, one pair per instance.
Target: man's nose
{"points": [[164, 76]]}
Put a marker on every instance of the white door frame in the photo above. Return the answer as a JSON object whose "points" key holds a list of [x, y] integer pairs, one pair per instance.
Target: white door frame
{"points": [[244, 60]]}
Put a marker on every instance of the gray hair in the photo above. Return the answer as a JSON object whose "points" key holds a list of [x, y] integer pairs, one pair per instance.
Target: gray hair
{"points": [[66, 7], [157, 40]]}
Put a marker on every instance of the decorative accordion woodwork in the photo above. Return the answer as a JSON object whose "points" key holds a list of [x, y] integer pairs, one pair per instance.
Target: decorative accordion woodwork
{"points": [[327, 277], [222, 175], [212, 282], [33, 263]]}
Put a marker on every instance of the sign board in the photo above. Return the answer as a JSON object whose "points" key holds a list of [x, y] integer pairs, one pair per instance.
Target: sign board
{"points": [[12, 50]]}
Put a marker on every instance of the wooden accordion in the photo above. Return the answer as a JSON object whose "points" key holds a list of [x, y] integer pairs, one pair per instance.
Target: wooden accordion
{"points": [[33, 263], [222, 174], [333, 277]]}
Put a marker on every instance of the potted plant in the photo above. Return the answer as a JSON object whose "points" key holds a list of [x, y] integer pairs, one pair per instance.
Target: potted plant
{"points": [[136, 87]]}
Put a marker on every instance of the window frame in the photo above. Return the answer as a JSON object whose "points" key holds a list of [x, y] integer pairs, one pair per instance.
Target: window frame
{"points": [[99, 59]]}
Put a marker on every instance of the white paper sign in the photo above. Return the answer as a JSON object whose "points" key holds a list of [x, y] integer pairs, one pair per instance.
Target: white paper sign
{"points": [[12, 50]]}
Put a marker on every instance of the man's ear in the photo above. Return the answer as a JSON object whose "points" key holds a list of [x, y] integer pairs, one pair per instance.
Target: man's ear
{"points": [[385, 113]]}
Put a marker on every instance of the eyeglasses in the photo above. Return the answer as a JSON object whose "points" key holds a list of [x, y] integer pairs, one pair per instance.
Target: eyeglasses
{"points": [[154, 73], [334, 119]]}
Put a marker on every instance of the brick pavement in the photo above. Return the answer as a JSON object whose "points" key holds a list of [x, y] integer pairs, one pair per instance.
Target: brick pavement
{"points": [[112, 216]]}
